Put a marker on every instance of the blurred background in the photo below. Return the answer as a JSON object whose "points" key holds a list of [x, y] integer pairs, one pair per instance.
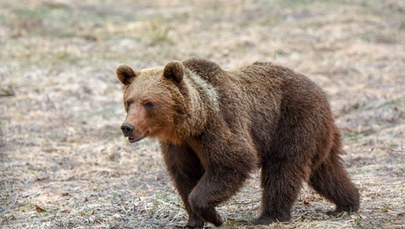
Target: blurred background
{"points": [[65, 164]]}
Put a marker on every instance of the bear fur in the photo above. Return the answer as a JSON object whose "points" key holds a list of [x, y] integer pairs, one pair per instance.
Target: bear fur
{"points": [[216, 126]]}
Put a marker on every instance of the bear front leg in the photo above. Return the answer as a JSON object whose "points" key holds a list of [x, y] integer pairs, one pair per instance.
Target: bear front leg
{"points": [[221, 180], [185, 169], [217, 185]]}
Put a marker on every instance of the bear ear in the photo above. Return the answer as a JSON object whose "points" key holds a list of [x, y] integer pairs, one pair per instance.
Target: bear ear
{"points": [[126, 74], [174, 71]]}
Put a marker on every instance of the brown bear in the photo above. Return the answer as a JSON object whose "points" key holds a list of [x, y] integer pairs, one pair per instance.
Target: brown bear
{"points": [[216, 126]]}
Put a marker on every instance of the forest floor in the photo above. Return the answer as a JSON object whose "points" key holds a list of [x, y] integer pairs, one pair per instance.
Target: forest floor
{"points": [[65, 164]]}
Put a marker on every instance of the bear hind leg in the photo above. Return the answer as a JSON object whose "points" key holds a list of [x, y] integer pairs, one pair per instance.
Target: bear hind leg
{"points": [[331, 181], [281, 183]]}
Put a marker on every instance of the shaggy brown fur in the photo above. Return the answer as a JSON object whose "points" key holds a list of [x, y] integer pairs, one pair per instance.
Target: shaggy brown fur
{"points": [[217, 126]]}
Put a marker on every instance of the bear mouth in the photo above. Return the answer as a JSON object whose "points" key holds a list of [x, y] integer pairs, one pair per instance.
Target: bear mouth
{"points": [[133, 140]]}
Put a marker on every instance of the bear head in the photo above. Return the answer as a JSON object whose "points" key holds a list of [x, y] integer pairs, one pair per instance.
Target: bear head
{"points": [[155, 100]]}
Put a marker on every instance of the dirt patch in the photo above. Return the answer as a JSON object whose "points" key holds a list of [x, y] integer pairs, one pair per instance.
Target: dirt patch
{"points": [[64, 163]]}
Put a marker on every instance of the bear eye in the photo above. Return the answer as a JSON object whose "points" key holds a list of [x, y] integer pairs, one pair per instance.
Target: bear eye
{"points": [[148, 105]]}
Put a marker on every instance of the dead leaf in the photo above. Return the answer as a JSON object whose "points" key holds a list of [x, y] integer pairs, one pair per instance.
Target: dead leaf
{"points": [[6, 91], [39, 209]]}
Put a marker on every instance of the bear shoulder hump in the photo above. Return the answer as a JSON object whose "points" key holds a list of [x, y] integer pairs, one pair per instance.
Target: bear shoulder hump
{"points": [[202, 67]]}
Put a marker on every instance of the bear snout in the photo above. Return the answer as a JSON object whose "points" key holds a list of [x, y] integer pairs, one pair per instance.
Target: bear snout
{"points": [[133, 135], [127, 129]]}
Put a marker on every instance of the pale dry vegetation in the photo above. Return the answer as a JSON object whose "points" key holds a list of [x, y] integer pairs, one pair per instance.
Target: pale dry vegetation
{"points": [[64, 163]]}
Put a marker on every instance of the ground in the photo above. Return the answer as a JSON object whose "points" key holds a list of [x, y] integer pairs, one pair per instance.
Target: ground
{"points": [[65, 164]]}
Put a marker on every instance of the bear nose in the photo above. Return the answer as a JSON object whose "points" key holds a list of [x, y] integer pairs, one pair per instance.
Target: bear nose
{"points": [[127, 129]]}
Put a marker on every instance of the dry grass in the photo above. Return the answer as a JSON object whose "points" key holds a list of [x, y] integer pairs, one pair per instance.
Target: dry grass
{"points": [[64, 163]]}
